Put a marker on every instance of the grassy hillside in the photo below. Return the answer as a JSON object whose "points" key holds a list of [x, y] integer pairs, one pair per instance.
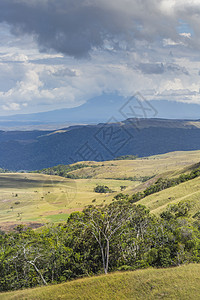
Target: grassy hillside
{"points": [[149, 166], [36, 198], [187, 191], [174, 283]]}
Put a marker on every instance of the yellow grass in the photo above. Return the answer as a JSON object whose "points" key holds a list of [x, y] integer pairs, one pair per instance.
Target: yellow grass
{"points": [[173, 283], [187, 191], [37, 198], [153, 165]]}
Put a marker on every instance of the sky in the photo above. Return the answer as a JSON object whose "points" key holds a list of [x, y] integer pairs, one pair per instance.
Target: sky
{"points": [[60, 53]]}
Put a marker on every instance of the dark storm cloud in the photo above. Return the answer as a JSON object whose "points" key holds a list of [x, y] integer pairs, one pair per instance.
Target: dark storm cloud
{"points": [[66, 26], [74, 27], [59, 25]]}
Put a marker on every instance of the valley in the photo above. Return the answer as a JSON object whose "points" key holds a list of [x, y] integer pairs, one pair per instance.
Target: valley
{"points": [[37, 199], [99, 150], [55, 229], [38, 149]]}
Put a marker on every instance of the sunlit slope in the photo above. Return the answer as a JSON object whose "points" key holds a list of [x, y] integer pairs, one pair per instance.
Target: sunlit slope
{"points": [[173, 283], [36, 198], [187, 191], [150, 166]]}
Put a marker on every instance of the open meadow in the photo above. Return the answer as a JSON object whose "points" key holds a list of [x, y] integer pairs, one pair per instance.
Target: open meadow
{"points": [[35, 199]]}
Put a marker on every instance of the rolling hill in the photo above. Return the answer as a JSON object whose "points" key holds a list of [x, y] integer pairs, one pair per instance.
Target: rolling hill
{"points": [[106, 141], [35, 199], [173, 283], [187, 191]]}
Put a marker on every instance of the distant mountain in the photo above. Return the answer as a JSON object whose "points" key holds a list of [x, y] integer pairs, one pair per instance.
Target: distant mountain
{"points": [[143, 137], [99, 109], [102, 109]]}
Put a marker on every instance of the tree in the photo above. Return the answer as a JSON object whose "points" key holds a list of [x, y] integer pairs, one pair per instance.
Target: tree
{"points": [[102, 189], [106, 224]]}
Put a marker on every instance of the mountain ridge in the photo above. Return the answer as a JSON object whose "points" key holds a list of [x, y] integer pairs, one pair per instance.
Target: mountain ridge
{"points": [[102, 109], [33, 150]]}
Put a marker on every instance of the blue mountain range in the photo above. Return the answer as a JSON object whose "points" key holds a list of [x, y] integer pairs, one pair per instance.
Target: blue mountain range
{"points": [[107, 108]]}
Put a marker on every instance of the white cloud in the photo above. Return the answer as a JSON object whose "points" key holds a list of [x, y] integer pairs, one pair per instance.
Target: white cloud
{"points": [[186, 34], [11, 106]]}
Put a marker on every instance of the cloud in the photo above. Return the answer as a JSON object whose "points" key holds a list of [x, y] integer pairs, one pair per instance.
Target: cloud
{"points": [[65, 72], [125, 46], [176, 69], [160, 68], [149, 68], [66, 26], [11, 106], [77, 27]]}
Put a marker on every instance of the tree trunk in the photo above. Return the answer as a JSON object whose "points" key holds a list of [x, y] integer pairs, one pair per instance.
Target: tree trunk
{"points": [[107, 255], [103, 259]]}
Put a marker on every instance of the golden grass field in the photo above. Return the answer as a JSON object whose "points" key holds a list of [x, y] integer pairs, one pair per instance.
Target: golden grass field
{"points": [[150, 166], [187, 191], [179, 283], [35, 199]]}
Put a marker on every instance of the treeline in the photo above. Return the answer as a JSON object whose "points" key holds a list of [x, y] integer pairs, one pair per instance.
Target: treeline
{"points": [[63, 170], [164, 183], [119, 236], [5, 171], [133, 178], [126, 157]]}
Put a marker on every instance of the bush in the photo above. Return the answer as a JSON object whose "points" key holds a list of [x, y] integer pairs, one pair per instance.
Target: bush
{"points": [[102, 189]]}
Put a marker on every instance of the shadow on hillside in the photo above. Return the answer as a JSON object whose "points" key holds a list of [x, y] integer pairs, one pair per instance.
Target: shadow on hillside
{"points": [[23, 183]]}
